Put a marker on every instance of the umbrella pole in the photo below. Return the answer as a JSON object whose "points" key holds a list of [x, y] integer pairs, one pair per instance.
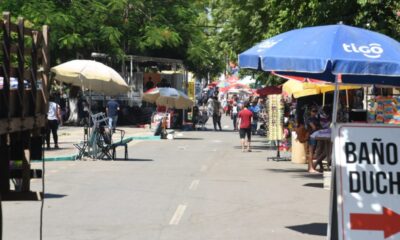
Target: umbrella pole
{"points": [[335, 102], [323, 99], [333, 217]]}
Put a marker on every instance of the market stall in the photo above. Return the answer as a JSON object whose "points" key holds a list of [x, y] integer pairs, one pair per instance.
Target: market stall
{"points": [[342, 54]]}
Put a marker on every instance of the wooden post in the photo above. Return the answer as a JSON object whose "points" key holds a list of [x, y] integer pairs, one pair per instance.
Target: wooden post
{"points": [[4, 164], [33, 71], [26, 160], [21, 68], [6, 63], [4, 139], [46, 66], [22, 115]]}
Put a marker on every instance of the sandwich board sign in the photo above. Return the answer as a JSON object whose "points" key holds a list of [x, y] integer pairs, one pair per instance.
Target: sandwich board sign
{"points": [[368, 181]]}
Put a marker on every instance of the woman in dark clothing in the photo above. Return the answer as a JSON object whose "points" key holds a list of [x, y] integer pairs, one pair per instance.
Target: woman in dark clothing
{"points": [[313, 125]]}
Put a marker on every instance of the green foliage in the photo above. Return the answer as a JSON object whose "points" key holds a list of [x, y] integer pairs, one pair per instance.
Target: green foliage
{"points": [[205, 34], [243, 23], [161, 28], [159, 37]]}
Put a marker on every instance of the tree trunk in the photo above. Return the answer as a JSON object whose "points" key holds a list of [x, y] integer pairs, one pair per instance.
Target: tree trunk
{"points": [[73, 106]]}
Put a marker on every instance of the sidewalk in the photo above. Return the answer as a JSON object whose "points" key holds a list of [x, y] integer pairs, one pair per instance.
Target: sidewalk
{"points": [[69, 135]]}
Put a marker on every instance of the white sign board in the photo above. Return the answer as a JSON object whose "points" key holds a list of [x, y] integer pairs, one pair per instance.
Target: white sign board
{"points": [[368, 181]]}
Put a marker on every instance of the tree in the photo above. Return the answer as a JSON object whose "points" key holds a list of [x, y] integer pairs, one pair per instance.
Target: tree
{"points": [[160, 28], [243, 23]]}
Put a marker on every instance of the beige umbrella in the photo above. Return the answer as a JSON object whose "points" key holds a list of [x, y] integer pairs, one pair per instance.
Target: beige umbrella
{"points": [[168, 97], [91, 75]]}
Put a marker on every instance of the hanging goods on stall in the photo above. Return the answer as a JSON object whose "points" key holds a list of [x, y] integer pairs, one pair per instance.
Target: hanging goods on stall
{"points": [[275, 123]]}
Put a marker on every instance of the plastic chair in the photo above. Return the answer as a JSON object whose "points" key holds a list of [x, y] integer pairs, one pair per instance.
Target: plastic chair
{"points": [[107, 147], [85, 148]]}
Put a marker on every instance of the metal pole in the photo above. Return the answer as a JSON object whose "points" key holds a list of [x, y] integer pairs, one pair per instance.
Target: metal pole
{"points": [[131, 70], [332, 221], [335, 101]]}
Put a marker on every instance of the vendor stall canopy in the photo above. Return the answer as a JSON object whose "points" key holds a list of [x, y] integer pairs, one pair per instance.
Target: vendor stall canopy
{"points": [[348, 54], [302, 89]]}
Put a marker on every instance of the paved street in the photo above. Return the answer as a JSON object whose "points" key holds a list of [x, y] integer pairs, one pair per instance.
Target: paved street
{"points": [[198, 186]]}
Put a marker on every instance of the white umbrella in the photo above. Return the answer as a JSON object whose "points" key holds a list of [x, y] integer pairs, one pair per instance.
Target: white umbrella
{"points": [[168, 97], [91, 75], [247, 80]]}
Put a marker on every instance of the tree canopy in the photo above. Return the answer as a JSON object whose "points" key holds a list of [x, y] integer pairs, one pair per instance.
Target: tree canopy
{"points": [[243, 23], [159, 28], [206, 34]]}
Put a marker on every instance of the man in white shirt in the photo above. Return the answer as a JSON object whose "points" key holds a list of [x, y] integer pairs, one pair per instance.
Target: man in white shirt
{"points": [[53, 120], [234, 114]]}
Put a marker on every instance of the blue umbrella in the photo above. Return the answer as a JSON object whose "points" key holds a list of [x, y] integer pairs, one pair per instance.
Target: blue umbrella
{"points": [[358, 55]]}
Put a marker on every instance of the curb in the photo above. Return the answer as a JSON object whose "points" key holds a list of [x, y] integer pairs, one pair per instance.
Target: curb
{"points": [[144, 138]]}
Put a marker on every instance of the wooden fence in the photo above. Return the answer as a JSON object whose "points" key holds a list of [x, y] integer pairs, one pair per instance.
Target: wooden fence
{"points": [[24, 70]]}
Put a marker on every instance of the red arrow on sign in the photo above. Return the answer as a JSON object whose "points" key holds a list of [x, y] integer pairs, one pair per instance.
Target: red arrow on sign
{"points": [[388, 222]]}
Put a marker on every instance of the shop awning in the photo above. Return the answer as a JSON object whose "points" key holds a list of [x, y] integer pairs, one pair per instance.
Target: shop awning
{"points": [[269, 90], [302, 89]]}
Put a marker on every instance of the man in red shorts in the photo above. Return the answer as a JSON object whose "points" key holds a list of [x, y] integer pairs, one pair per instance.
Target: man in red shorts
{"points": [[244, 125]]}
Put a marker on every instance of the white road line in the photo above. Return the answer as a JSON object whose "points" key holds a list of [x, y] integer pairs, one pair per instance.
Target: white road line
{"points": [[194, 184], [177, 215], [203, 168], [53, 171]]}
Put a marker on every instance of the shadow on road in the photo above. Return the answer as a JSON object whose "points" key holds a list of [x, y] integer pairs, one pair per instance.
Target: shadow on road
{"points": [[316, 185], [319, 229], [302, 173], [53, 195], [294, 170], [133, 160], [310, 175], [256, 147]]}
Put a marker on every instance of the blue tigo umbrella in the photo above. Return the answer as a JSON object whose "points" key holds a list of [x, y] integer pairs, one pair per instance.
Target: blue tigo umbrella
{"points": [[324, 52]]}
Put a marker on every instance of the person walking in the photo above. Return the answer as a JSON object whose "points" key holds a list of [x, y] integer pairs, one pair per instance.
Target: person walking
{"points": [[210, 106], [53, 120], [217, 111], [112, 113], [234, 114], [244, 124], [255, 109]]}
